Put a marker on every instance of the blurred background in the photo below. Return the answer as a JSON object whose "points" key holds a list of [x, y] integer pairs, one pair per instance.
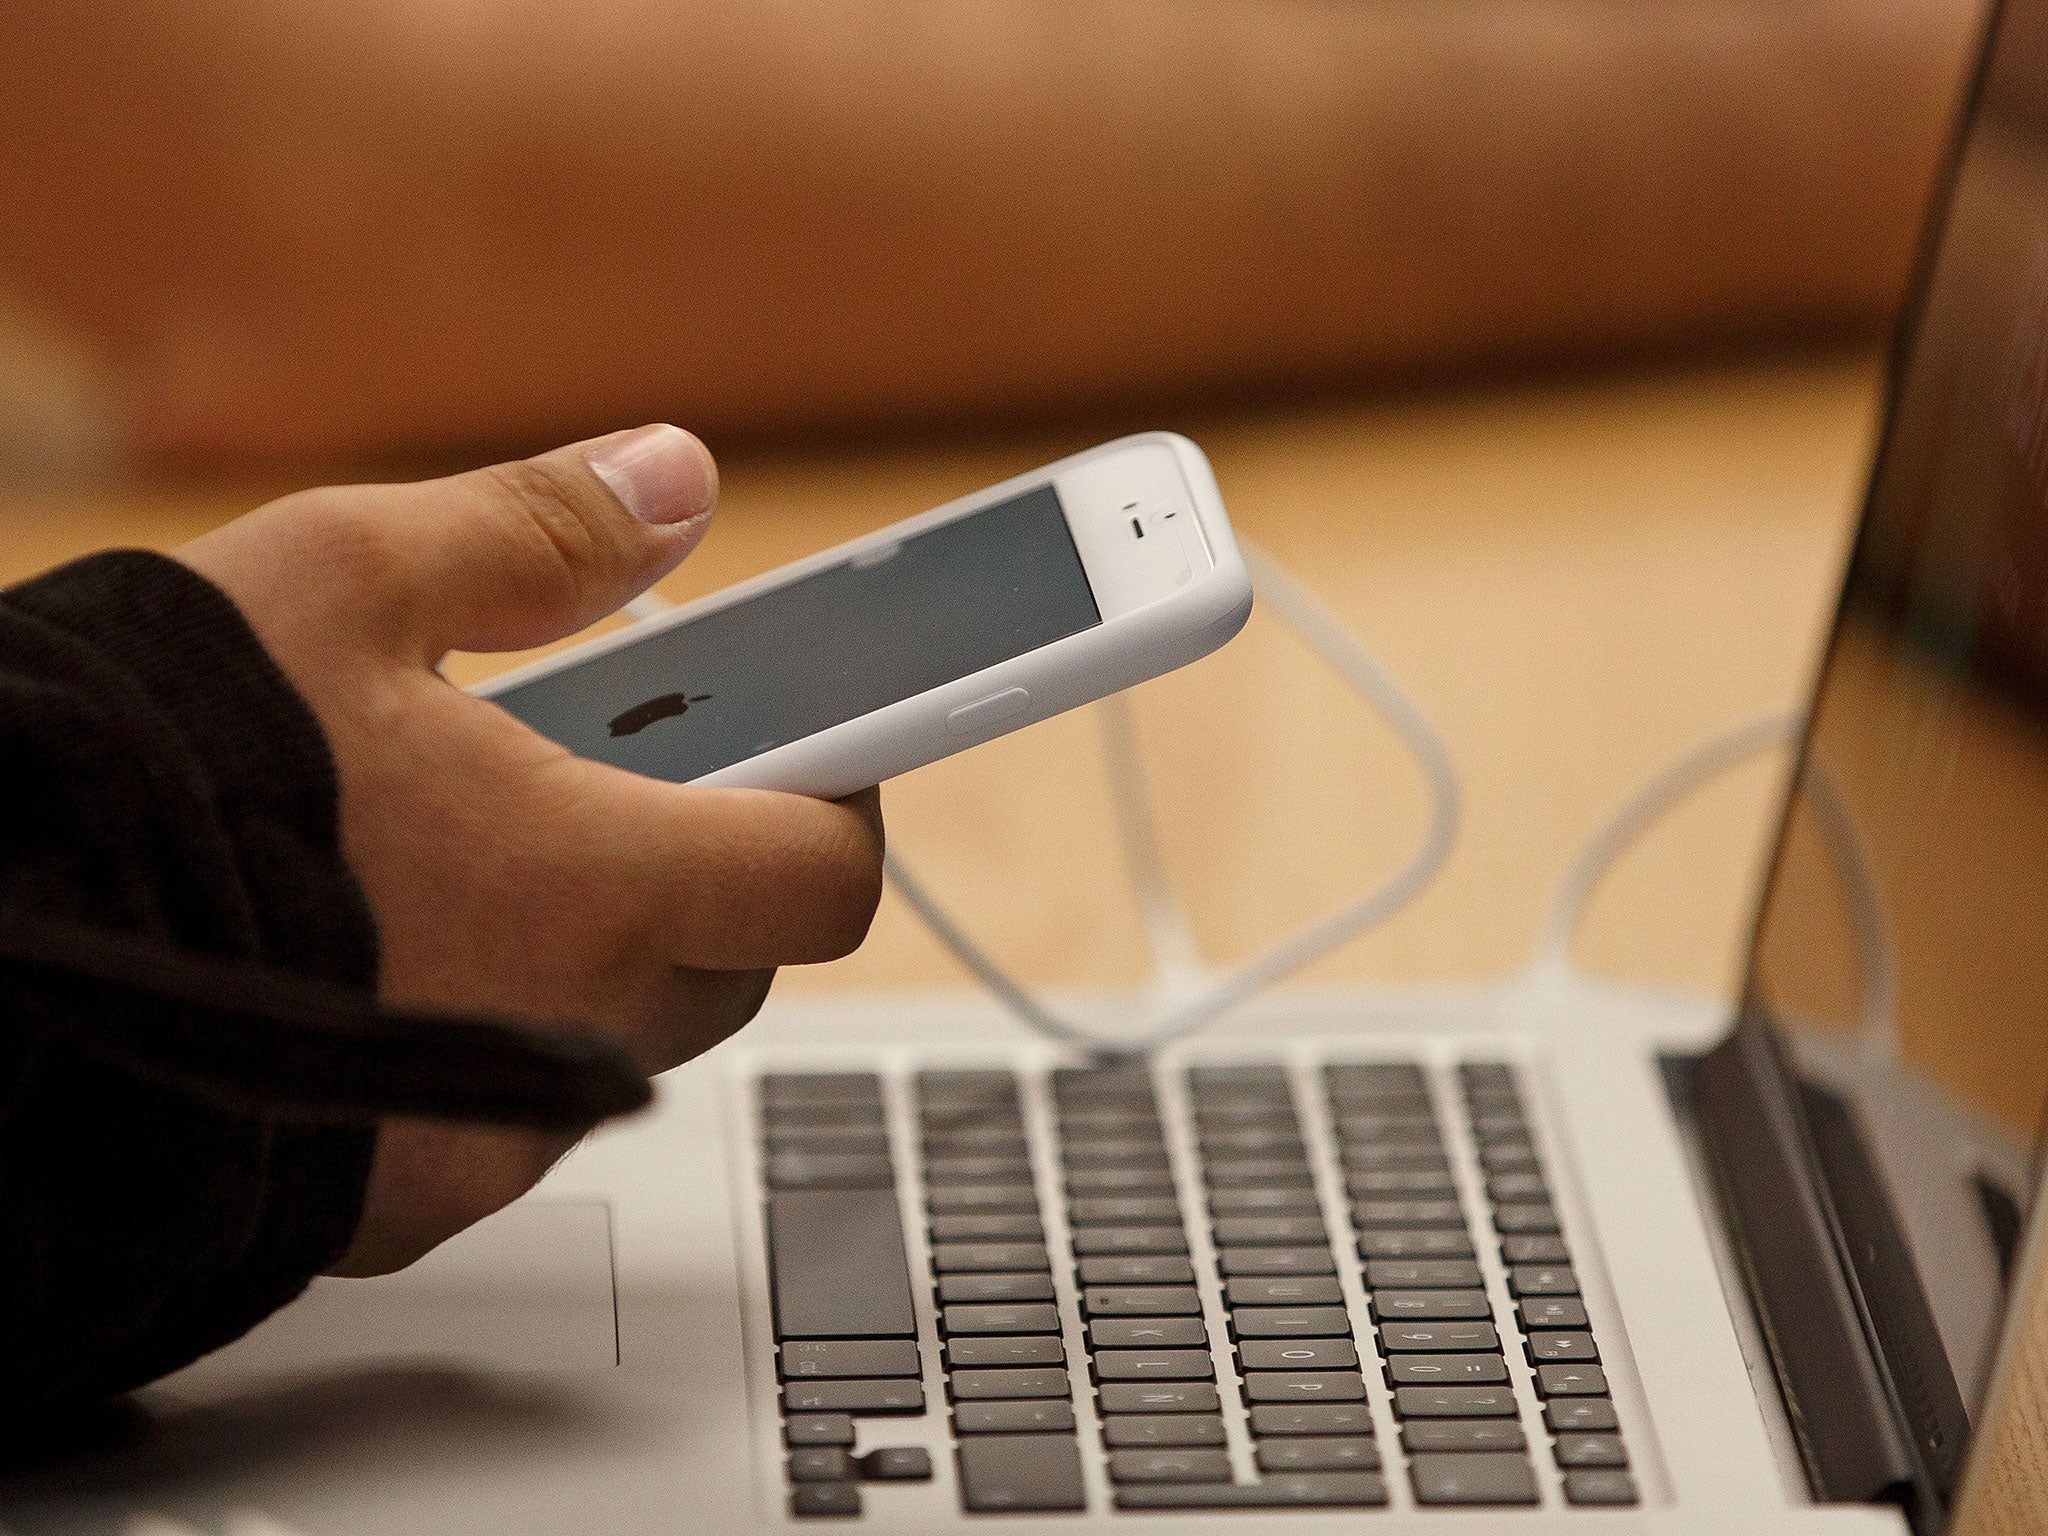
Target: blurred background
{"points": [[1540, 337]]}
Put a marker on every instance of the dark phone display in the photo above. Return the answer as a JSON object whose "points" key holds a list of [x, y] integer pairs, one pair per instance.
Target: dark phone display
{"points": [[838, 644], [1902, 948]]}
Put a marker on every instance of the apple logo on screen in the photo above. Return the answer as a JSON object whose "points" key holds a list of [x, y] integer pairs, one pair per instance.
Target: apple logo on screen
{"points": [[641, 716]]}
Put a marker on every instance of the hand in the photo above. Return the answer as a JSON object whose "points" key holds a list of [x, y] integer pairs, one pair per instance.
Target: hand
{"points": [[506, 874]]}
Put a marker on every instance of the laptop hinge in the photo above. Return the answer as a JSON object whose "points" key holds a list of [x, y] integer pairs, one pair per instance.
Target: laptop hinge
{"points": [[1782, 1228]]}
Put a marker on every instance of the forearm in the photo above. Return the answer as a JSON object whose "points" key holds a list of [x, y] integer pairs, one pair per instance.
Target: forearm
{"points": [[406, 227]]}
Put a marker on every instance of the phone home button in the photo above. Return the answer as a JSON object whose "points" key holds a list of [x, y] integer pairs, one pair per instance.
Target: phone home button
{"points": [[973, 717]]}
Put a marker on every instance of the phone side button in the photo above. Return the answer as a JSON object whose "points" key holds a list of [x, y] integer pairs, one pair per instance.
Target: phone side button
{"points": [[986, 712]]}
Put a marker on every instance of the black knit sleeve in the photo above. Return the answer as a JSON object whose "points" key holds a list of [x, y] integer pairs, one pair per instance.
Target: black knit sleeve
{"points": [[192, 1063]]}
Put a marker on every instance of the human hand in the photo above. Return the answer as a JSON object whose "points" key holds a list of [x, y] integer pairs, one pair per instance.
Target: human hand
{"points": [[507, 875]]}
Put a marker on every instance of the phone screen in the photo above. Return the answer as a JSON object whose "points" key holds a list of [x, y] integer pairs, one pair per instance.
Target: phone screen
{"points": [[885, 626]]}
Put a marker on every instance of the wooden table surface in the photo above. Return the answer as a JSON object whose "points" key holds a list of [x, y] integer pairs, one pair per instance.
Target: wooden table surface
{"points": [[1577, 579]]}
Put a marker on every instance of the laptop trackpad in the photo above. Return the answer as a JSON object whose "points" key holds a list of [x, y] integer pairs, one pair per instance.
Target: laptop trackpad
{"points": [[529, 1289]]}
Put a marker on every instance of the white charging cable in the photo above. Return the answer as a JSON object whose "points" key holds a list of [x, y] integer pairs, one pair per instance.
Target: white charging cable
{"points": [[1188, 996], [1597, 855]]}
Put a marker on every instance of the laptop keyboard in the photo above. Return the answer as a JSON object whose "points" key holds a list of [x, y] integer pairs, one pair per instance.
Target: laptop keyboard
{"points": [[1255, 1398]]}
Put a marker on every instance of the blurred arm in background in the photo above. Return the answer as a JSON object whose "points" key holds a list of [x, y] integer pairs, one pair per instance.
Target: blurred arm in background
{"points": [[295, 228]]}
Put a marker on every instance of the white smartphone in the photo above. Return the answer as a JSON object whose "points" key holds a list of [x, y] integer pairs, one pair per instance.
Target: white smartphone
{"points": [[903, 647]]}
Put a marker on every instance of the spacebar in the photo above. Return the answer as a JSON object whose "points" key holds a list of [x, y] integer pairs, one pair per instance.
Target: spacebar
{"points": [[836, 1265]]}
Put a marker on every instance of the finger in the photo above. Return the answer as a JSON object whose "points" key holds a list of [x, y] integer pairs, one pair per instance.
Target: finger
{"points": [[725, 879], [692, 1010], [523, 553]]}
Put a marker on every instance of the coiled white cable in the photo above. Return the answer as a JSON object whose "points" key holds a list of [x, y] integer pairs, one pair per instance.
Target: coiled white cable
{"points": [[1190, 1001]]}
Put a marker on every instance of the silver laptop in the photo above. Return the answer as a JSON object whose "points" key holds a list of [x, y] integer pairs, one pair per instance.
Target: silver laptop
{"points": [[1544, 1256]]}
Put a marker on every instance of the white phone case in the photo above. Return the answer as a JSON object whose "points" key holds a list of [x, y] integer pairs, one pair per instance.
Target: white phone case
{"points": [[1127, 647]]}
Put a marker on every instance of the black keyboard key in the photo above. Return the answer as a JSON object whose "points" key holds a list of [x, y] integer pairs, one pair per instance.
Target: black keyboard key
{"points": [[1534, 1248], [836, 1265], [818, 1087], [1257, 1172], [1251, 1141], [856, 1397], [1566, 1415], [1289, 1490], [944, 1199], [810, 1500], [1375, 1183], [1463, 1435], [971, 1353], [1154, 1365], [1141, 1301], [1254, 1230], [820, 1464], [1093, 1240], [1021, 1472], [1140, 1429], [1430, 1306], [1118, 1181], [1349, 1453], [1473, 1477], [987, 1227], [1290, 1323], [1406, 1215], [1499, 1125], [1604, 1486], [1508, 1157], [986, 1258], [1138, 1269], [1571, 1381], [1423, 1275], [1342, 1077], [976, 1140], [1027, 1287], [1282, 1291], [1276, 1261], [1157, 1397], [1486, 1077], [977, 1168], [1382, 1126], [1437, 1338], [1304, 1387], [848, 1116], [1147, 1333], [1008, 1383], [1441, 1370], [1024, 1317], [829, 1170], [1363, 1159], [1551, 1312], [1524, 1218], [1510, 1188], [1169, 1466], [1297, 1355], [1126, 1153], [872, 1140], [1542, 1280], [1589, 1451], [1444, 1243], [1255, 1200], [805, 1358], [1311, 1419], [1123, 1211], [1454, 1402], [1012, 1418], [1562, 1346], [895, 1464], [1111, 1120], [818, 1429]]}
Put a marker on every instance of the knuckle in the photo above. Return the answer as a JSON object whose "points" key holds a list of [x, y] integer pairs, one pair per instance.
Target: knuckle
{"points": [[356, 552], [561, 523]]}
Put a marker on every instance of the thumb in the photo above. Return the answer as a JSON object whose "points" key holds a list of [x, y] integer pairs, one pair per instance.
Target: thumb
{"points": [[523, 553]]}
